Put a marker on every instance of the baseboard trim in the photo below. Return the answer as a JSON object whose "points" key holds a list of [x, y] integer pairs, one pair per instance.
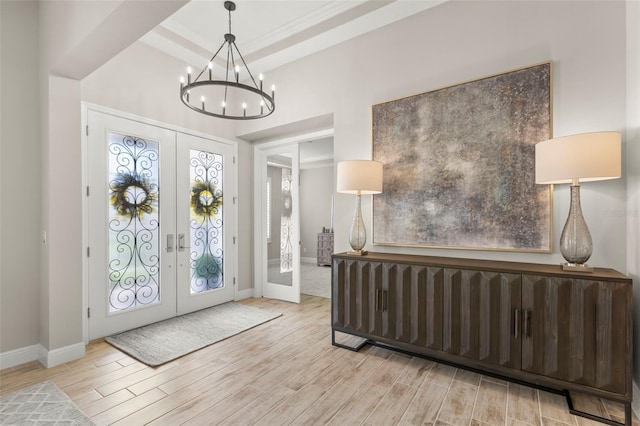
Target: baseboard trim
{"points": [[635, 403], [244, 294], [61, 355], [18, 356]]}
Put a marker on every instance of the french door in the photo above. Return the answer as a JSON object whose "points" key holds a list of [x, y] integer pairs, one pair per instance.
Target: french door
{"points": [[281, 215], [160, 223]]}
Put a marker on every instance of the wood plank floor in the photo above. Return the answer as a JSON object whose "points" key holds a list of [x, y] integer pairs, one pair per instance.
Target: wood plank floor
{"points": [[287, 372]]}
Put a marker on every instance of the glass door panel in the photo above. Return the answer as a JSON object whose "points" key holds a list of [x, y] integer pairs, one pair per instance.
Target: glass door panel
{"points": [[134, 225], [282, 250], [131, 218], [205, 222]]}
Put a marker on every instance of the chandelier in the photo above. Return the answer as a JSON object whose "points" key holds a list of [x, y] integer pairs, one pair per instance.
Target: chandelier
{"points": [[208, 96]]}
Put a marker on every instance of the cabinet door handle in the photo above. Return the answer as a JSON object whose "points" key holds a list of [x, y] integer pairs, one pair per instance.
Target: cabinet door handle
{"points": [[527, 323], [169, 243], [516, 323], [385, 300], [377, 299]]}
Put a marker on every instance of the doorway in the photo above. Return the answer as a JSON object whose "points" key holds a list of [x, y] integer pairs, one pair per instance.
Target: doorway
{"points": [[160, 223], [270, 160]]}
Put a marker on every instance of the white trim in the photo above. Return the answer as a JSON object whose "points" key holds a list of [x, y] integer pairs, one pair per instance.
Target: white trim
{"points": [[236, 219], [259, 176], [309, 20], [635, 403], [61, 355], [18, 356], [84, 143], [307, 137], [308, 260], [152, 122], [86, 107], [378, 18], [244, 294]]}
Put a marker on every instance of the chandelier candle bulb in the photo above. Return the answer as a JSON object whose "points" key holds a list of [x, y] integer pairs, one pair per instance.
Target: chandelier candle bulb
{"points": [[188, 75], [273, 91], [210, 66], [202, 99], [261, 77], [237, 73], [224, 105], [244, 108]]}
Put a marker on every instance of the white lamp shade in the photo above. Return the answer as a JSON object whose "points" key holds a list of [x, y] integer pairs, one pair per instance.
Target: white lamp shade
{"points": [[360, 177], [586, 157]]}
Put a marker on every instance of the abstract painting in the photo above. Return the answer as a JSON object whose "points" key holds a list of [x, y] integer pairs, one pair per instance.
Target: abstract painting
{"points": [[459, 167]]}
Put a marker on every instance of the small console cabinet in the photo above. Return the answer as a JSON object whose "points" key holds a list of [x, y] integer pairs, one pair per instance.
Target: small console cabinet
{"points": [[325, 248], [558, 330]]}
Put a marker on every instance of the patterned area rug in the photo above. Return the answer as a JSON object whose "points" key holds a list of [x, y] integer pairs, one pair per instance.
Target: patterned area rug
{"points": [[42, 404], [164, 341]]}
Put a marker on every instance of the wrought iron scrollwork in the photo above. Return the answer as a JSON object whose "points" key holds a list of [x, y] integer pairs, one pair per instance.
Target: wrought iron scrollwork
{"points": [[207, 254], [286, 243], [134, 260]]}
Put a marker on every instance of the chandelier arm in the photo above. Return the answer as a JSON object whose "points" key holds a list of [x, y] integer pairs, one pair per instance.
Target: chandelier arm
{"points": [[270, 105], [233, 60], [245, 65], [226, 78], [211, 60]]}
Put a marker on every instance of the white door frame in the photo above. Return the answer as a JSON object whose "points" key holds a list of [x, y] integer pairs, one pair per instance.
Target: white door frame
{"points": [[259, 231], [86, 106]]}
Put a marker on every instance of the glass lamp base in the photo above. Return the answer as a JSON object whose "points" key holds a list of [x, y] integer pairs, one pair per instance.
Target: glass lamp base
{"points": [[357, 252], [577, 267]]}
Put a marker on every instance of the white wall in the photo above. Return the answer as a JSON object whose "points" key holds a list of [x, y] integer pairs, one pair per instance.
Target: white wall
{"points": [[316, 189], [461, 41], [19, 176], [632, 211], [46, 48], [144, 81]]}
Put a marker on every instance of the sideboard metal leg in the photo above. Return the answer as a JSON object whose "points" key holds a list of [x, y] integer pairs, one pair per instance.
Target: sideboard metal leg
{"points": [[351, 348], [628, 416]]}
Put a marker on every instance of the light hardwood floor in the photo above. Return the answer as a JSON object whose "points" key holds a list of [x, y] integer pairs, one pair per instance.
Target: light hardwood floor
{"points": [[287, 372]]}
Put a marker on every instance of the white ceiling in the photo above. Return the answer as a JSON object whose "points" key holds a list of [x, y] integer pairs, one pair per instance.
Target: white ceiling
{"points": [[272, 33]]}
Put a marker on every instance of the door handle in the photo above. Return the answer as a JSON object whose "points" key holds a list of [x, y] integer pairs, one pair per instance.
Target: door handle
{"points": [[181, 245], [377, 299], [169, 243], [516, 323]]}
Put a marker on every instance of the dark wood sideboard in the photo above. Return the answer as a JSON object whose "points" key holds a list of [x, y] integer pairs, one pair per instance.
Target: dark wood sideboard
{"points": [[532, 323]]}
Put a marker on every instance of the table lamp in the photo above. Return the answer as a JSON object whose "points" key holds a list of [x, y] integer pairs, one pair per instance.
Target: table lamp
{"points": [[573, 159], [359, 177]]}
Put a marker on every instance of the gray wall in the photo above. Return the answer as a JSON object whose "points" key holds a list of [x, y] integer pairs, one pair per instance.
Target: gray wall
{"points": [[20, 173], [472, 40], [632, 212], [316, 189]]}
